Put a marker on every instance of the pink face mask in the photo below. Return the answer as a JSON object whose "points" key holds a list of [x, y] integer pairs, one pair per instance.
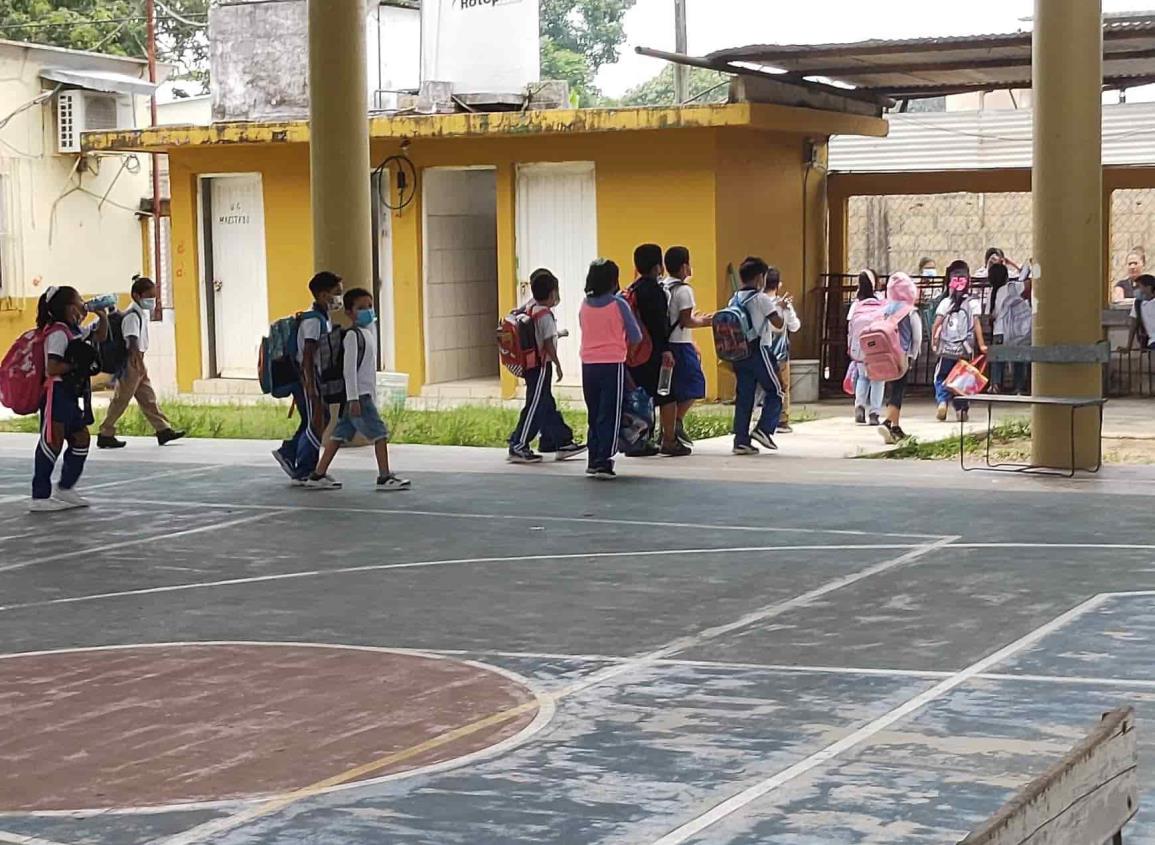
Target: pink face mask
{"points": [[959, 283]]}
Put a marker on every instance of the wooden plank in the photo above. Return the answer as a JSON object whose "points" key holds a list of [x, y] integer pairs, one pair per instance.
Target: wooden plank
{"points": [[1085, 799]]}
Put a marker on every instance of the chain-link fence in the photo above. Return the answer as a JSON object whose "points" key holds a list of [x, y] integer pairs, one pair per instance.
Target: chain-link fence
{"points": [[1132, 225], [892, 233]]}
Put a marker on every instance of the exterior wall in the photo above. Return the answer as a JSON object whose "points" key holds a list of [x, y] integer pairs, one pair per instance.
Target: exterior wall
{"points": [[722, 192], [53, 226]]}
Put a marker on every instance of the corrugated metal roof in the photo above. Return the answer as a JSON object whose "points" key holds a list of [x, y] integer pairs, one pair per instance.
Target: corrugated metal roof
{"points": [[914, 67], [988, 139]]}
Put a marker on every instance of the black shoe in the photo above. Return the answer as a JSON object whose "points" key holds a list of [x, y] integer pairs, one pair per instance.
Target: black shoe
{"points": [[899, 434], [678, 450], [874, 419], [105, 442], [784, 428], [647, 450], [602, 474], [167, 436], [889, 435], [764, 439], [680, 433], [860, 415]]}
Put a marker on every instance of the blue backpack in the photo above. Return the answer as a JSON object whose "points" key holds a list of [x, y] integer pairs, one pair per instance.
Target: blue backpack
{"points": [[277, 367], [735, 335]]}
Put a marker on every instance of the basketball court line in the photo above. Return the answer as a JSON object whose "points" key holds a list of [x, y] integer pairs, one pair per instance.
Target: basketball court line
{"points": [[385, 567], [88, 488], [595, 520], [215, 827], [152, 538], [757, 790], [17, 839]]}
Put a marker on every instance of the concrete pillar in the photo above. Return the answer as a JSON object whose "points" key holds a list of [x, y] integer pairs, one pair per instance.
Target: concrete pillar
{"points": [[1068, 209], [339, 141]]}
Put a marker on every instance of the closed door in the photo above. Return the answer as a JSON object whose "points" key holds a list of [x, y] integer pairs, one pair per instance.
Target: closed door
{"points": [[239, 283], [557, 228]]}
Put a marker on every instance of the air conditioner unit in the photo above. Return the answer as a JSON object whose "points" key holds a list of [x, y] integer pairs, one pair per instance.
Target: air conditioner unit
{"points": [[80, 111]]}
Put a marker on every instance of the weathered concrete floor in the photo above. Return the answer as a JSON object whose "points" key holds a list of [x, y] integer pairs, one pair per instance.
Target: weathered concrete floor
{"points": [[685, 640]]}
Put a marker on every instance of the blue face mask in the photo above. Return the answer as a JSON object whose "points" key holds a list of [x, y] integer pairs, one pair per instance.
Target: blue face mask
{"points": [[366, 318]]}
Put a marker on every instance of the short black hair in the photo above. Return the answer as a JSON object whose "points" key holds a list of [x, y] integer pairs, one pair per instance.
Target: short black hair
{"points": [[773, 278], [647, 257], [677, 257], [1147, 280], [351, 297], [993, 250], [752, 267], [958, 267], [542, 283], [602, 277], [142, 285], [324, 282], [998, 276]]}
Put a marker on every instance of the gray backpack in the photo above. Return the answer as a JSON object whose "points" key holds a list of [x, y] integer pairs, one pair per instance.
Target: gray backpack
{"points": [[956, 339]]}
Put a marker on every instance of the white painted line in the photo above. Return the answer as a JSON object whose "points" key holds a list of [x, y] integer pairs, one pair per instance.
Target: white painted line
{"points": [[384, 567], [546, 709], [17, 839], [174, 473], [1072, 680], [757, 790], [594, 520], [152, 538], [1096, 546]]}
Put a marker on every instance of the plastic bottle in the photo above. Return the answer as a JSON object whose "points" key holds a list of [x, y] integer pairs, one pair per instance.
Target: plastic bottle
{"points": [[103, 302], [666, 375]]}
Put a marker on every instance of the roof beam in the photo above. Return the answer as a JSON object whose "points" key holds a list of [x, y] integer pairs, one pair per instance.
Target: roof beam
{"points": [[962, 64]]}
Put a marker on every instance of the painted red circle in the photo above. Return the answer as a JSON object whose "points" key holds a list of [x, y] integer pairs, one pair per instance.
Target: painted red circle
{"points": [[149, 726]]}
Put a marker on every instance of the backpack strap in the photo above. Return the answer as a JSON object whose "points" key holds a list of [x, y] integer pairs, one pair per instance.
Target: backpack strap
{"points": [[360, 346]]}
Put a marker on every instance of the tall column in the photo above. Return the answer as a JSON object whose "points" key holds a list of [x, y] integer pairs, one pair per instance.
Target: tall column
{"points": [[1068, 209], [339, 141]]}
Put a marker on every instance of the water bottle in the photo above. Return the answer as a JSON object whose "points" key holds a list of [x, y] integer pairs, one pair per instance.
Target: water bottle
{"points": [[666, 375], [104, 302]]}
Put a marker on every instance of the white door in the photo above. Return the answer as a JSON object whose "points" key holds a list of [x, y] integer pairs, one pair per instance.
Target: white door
{"points": [[240, 298], [557, 228]]}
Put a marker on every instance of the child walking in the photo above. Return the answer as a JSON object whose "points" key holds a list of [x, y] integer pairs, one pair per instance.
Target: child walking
{"points": [[956, 334], [540, 414], [359, 414], [901, 291], [66, 409], [689, 381], [608, 332], [760, 369]]}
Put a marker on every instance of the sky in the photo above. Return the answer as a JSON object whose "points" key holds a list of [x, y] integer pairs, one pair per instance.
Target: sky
{"points": [[716, 24]]}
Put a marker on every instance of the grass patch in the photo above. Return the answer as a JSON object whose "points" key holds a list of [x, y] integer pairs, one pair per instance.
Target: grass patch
{"points": [[1006, 436], [470, 425]]}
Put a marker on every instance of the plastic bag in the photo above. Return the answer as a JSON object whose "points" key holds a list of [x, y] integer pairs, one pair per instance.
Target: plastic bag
{"points": [[966, 378]]}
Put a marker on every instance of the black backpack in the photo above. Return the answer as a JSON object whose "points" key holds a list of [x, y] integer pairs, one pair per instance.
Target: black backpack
{"points": [[331, 364], [113, 350]]}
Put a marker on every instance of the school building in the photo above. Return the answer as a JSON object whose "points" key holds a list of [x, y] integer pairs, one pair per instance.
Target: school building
{"points": [[466, 206]]}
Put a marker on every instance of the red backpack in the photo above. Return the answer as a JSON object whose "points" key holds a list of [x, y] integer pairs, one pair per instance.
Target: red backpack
{"points": [[641, 353], [22, 373], [517, 340]]}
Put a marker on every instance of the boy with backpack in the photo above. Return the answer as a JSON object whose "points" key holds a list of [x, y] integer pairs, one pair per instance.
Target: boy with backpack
{"points": [[647, 299], [956, 335], [359, 414], [688, 384], [298, 456], [759, 368], [132, 380], [540, 414]]}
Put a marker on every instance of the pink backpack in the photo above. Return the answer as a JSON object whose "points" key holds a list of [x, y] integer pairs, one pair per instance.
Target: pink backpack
{"points": [[22, 373], [866, 312], [881, 343]]}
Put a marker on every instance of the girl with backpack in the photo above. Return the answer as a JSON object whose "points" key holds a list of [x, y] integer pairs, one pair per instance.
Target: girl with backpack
{"points": [[1011, 310], [901, 293], [956, 335], [865, 309], [66, 407]]}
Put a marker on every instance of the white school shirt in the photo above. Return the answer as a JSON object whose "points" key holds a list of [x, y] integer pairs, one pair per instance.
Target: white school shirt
{"points": [[361, 380], [544, 325], [60, 335], [760, 307], [681, 297], [135, 324], [973, 304], [311, 328]]}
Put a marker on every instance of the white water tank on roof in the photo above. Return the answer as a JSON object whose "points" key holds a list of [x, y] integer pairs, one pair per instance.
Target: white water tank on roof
{"points": [[481, 46]]}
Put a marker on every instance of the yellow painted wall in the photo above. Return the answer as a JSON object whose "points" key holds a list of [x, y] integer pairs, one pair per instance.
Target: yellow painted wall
{"points": [[722, 192]]}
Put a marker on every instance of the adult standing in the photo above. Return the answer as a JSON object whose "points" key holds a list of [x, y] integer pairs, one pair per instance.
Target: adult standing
{"points": [[1128, 287]]}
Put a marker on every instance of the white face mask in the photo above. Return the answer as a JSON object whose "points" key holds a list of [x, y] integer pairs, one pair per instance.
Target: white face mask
{"points": [[928, 272], [148, 304]]}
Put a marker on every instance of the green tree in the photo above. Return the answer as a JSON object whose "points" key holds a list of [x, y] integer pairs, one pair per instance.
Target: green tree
{"points": [[577, 38], [117, 27], [705, 86]]}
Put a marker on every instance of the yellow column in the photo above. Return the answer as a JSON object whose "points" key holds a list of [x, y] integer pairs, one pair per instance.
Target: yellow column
{"points": [[1068, 206], [339, 141]]}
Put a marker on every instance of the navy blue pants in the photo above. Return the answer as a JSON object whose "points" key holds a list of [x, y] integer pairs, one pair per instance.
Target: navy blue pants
{"points": [[71, 409], [941, 394], [602, 386], [303, 449], [540, 414], [759, 370]]}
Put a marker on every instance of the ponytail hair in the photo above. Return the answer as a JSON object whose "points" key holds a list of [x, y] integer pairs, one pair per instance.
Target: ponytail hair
{"points": [[52, 307]]}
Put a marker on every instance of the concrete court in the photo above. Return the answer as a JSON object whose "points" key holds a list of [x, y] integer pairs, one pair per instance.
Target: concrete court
{"points": [[714, 650]]}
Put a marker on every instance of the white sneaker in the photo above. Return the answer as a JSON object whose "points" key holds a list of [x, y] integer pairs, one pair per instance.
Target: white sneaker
{"points": [[325, 482], [69, 497], [48, 506], [389, 483], [764, 439]]}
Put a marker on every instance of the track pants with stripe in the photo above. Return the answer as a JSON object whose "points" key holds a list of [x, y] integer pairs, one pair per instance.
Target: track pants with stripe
{"points": [[759, 370], [72, 411], [303, 449], [540, 414], [602, 386]]}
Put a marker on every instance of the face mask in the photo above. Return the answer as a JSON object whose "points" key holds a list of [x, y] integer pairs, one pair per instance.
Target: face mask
{"points": [[148, 304], [366, 318], [336, 303], [928, 272]]}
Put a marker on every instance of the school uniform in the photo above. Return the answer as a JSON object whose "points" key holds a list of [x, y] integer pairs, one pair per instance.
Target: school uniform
{"points": [[1144, 311], [300, 453], [540, 415], [608, 328], [758, 370], [945, 364], [689, 381], [910, 335], [360, 372], [67, 402], [133, 382], [653, 312], [781, 350], [999, 308]]}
